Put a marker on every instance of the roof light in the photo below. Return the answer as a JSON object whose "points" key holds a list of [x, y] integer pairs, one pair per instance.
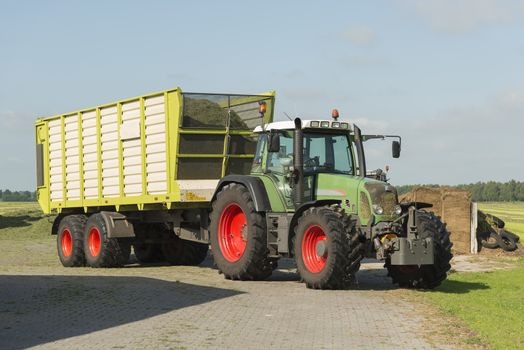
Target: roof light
{"points": [[344, 125], [314, 124], [335, 125], [324, 124], [334, 113]]}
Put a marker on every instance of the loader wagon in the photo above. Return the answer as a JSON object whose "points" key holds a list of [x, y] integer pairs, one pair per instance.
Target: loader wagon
{"points": [[150, 157], [171, 173]]}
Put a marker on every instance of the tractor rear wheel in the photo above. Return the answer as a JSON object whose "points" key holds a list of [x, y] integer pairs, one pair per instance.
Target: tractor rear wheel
{"points": [[426, 276], [182, 252], [327, 253], [100, 250], [70, 241], [238, 236]]}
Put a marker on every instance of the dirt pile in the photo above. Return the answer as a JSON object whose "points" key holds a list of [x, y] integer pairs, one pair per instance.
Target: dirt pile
{"points": [[454, 208]]}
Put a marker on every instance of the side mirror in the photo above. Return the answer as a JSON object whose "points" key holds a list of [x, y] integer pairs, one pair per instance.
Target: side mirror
{"points": [[274, 142], [395, 149]]}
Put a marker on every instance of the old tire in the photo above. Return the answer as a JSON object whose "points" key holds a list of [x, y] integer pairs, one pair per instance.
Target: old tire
{"points": [[100, 250], [426, 276], [147, 252], [182, 252], [69, 239], [238, 236], [507, 242], [326, 254], [490, 240]]}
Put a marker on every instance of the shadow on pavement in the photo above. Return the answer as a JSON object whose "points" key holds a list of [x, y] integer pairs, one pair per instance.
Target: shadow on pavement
{"points": [[40, 309]]}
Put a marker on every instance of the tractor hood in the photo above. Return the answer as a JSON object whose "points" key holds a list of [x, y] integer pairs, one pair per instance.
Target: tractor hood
{"points": [[362, 196]]}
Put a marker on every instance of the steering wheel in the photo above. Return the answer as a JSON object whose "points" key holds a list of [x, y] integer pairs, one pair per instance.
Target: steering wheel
{"points": [[311, 162]]}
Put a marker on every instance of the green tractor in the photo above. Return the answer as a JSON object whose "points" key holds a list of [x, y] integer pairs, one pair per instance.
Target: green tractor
{"points": [[308, 197]]}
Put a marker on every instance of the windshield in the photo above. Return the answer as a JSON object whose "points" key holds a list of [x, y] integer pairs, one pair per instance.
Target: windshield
{"points": [[323, 153]]}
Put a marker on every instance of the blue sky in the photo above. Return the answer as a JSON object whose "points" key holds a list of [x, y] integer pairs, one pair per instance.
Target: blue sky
{"points": [[446, 75]]}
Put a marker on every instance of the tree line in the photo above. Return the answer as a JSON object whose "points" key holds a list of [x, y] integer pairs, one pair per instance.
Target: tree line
{"points": [[490, 191], [17, 196]]}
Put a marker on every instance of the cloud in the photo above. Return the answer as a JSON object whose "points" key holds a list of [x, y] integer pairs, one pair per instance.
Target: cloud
{"points": [[461, 16], [11, 120], [360, 35]]}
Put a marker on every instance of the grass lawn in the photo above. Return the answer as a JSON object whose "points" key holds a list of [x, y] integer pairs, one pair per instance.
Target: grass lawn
{"points": [[490, 303], [23, 220]]}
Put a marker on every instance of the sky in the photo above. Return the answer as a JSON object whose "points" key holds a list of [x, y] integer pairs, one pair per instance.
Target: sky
{"points": [[446, 75]]}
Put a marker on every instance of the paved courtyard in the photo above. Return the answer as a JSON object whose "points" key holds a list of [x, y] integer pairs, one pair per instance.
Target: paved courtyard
{"points": [[46, 306]]}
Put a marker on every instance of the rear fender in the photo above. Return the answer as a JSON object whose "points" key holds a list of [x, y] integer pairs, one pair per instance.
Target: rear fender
{"points": [[254, 185]]}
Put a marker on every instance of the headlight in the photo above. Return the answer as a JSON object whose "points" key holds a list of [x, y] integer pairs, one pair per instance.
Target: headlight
{"points": [[378, 209], [398, 210]]}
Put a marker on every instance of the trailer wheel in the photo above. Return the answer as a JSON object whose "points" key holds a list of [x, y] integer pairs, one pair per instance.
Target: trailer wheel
{"points": [[238, 236], [326, 252], [147, 252], [70, 240], [425, 276], [100, 250]]}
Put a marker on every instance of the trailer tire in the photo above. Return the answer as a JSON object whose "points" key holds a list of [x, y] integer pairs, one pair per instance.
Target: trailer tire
{"points": [[147, 252], [70, 242], [100, 250], [324, 229], [238, 236], [182, 252], [426, 276], [507, 242], [490, 240]]}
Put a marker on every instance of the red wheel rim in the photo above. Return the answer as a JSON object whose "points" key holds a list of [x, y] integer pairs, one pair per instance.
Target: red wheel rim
{"points": [[312, 237], [232, 232], [93, 241], [66, 243]]}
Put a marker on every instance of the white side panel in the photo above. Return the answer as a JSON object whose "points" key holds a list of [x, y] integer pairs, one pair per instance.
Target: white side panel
{"points": [[90, 155], [131, 148], [155, 125], [109, 148], [55, 160]]}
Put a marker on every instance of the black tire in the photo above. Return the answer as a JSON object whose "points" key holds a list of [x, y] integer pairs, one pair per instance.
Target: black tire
{"points": [[182, 252], [147, 252], [250, 262], [70, 240], [511, 234], [490, 240], [324, 228], [507, 242], [103, 251], [426, 276]]}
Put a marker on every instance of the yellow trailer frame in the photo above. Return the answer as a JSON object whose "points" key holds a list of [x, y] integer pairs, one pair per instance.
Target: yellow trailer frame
{"points": [[174, 128]]}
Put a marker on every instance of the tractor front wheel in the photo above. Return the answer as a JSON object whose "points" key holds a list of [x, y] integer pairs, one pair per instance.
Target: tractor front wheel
{"points": [[426, 276], [238, 236]]}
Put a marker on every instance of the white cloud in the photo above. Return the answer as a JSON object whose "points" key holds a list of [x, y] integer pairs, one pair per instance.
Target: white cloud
{"points": [[460, 16], [360, 35]]}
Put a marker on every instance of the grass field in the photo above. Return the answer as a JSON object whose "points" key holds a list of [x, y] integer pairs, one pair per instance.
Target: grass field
{"points": [[490, 303], [23, 220], [511, 212]]}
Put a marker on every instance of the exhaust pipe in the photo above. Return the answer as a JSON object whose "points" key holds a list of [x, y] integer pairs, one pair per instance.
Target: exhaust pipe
{"points": [[298, 164]]}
